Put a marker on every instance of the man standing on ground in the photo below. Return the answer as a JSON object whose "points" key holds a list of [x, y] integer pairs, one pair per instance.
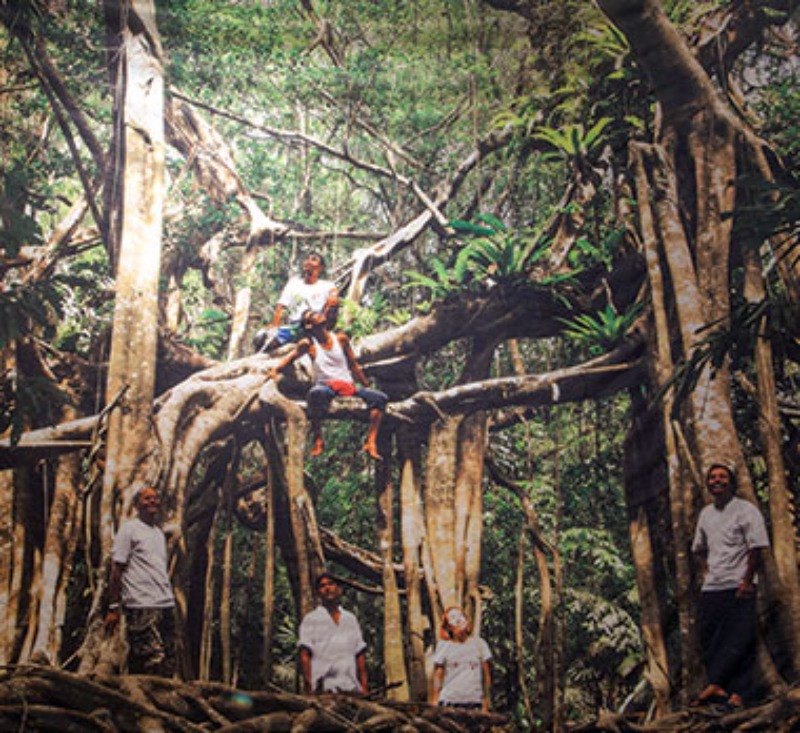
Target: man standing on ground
{"points": [[332, 649], [729, 539], [300, 294], [140, 587]]}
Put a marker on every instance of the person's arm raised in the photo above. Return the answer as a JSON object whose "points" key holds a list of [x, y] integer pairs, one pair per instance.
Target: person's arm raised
{"points": [[301, 347]]}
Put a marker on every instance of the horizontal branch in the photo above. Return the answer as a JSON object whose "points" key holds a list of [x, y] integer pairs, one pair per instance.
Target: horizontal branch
{"points": [[594, 379], [600, 377], [362, 562], [48, 442]]}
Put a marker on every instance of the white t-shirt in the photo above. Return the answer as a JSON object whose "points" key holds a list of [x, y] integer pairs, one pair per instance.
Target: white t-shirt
{"points": [[727, 535], [142, 548], [299, 296], [333, 649], [463, 669]]}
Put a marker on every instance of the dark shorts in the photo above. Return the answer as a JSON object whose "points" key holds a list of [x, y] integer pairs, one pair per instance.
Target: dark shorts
{"points": [[151, 640], [320, 395], [462, 705]]}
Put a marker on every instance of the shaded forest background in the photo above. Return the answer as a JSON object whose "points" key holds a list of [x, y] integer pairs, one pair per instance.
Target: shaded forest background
{"points": [[565, 234]]}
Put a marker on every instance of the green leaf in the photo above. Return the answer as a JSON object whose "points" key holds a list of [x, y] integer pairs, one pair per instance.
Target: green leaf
{"points": [[470, 228]]}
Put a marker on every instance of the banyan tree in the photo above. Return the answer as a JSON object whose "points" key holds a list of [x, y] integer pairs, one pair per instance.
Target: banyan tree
{"points": [[665, 259]]}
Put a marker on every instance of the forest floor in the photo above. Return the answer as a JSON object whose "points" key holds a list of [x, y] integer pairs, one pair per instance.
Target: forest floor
{"points": [[780, 714], [44, 699]]}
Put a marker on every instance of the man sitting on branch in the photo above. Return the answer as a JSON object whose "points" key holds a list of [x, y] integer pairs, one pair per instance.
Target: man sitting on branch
{"points": [[334, 365], [309, 292]]}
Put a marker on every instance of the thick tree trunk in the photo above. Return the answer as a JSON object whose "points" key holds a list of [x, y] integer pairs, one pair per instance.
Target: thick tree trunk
{"points": [[691, 178], [781, 508], [8, 616], [60, 543], [206, 651], [393, 653], [412, 535], [135, 325], [439, 512], [663, 368], [645, 481], [131, 369], [307, 554], [268, 606]]}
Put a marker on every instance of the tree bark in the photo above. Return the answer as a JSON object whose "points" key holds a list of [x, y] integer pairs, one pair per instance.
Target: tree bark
{"points": [[781, 509], [8, 617], [61, 541], [135, 325], [393, 653], [268, 607], [412, 535]]}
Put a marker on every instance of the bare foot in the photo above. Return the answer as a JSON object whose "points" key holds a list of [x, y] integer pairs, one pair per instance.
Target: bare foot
{"points": [[372, 451], [316, 449], [711, 694], [735, 700]]}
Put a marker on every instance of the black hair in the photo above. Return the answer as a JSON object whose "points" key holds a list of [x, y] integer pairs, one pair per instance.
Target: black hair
{"points": [[306, 313], [731, 474], [318, 255], [325, 576]]}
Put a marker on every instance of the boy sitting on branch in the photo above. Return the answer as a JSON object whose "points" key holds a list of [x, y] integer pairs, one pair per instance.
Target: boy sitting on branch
{"points": [[334, 365]]}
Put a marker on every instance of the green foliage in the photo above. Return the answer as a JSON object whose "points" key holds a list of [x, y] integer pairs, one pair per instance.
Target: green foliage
{"points": [[602, 331], [496, 252], [735, 341], [445, 281], [574, 142], [363, 320], [28, 401], [778, 104], [25, 308], [209, 334], [611, 45], [19, 227], [585, 253]]}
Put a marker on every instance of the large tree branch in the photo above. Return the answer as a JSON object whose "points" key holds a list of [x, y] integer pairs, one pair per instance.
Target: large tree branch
{"points": [[595, 379], [735, 28], [364, 260], [213, 164], [291, 137], [508, 311], [599, 377], [362, 562], [679, 81], [606, 375]]}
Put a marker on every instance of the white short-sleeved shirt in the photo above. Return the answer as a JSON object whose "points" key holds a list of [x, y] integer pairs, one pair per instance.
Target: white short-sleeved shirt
{"points": [[463, 669], [299, 296], [333, 648], [142, 548], [726, 536]]}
